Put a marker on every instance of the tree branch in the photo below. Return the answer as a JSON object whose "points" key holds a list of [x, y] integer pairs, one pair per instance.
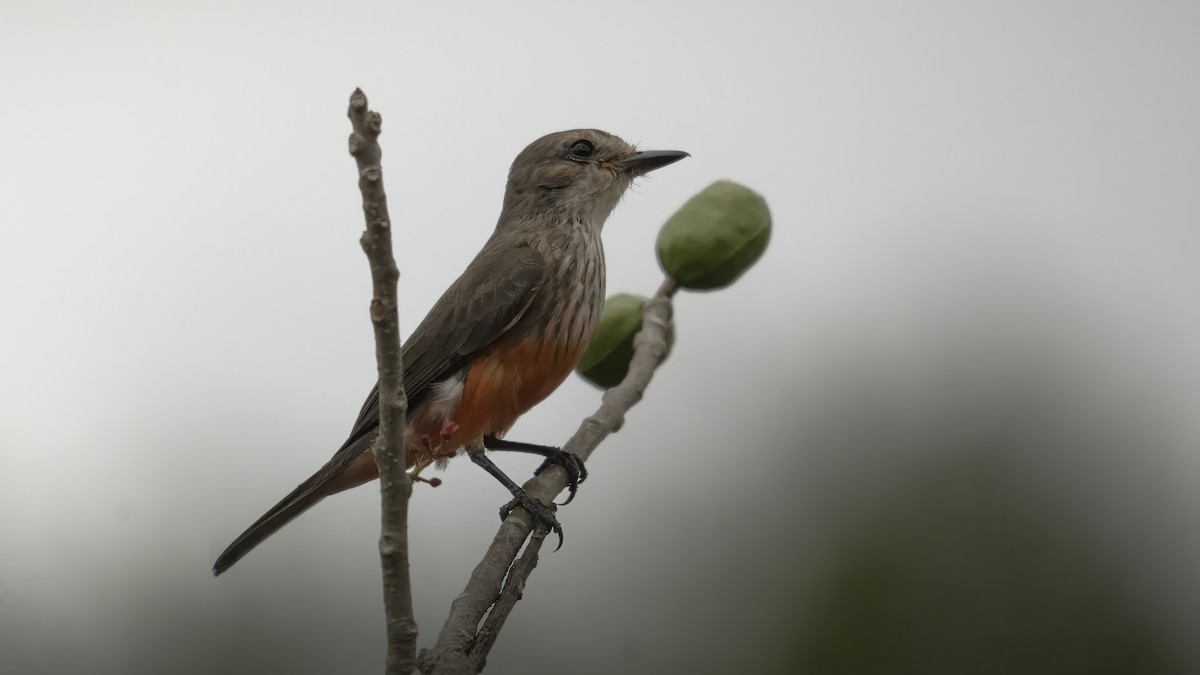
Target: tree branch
{"points": [[395, 483], [514, 587], [460, 649]]}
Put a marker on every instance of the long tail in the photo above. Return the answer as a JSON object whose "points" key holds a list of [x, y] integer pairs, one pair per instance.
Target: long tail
{"points": [[348, 468]]}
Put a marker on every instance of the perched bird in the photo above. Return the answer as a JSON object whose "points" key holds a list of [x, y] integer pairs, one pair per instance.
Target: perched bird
{"points": [[505, 334]]}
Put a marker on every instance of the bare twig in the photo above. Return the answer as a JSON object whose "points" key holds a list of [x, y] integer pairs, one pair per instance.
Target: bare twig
{"points": [[455, 652], [395, 483], [514, 587]]}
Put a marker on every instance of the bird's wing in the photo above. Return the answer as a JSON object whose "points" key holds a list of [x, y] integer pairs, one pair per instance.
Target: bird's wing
{"points": [[480, 306], [487, 300]]}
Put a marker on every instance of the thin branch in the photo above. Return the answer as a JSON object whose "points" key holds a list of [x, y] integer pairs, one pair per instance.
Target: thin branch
{"points": [[514, 588], [395, 483], [455, 652]]}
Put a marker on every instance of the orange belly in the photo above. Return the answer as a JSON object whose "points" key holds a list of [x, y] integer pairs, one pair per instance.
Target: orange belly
{"points": [[503, 382], [507, 380]]}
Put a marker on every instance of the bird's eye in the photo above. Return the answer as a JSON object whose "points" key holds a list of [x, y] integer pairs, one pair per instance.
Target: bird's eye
{"points": [[581, 149]]}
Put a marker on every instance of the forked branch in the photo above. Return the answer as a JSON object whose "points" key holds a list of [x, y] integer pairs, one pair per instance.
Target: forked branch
{"points": [[463, 645]]}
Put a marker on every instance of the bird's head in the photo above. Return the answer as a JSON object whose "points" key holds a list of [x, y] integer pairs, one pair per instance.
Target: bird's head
{"points": [[579, 174]]}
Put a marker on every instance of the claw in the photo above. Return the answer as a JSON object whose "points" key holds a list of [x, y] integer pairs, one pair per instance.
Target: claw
{"points": [[538, 510], [573, 466]]}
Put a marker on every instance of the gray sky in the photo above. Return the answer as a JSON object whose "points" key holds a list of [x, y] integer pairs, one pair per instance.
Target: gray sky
{"points": [[976, 208]]}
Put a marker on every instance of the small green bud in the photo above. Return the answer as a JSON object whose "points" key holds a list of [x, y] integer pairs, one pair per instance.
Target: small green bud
{"points": [[606, 360], [715, 236]]}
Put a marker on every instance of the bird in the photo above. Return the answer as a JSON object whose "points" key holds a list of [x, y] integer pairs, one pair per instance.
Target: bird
{"points": [[504, 335]]}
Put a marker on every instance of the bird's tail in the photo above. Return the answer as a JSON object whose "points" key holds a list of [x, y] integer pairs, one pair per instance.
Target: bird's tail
{"points": [[348, 468]]}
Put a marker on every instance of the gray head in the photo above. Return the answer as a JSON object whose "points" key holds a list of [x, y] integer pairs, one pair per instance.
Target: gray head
{"points": [[579, 175]]}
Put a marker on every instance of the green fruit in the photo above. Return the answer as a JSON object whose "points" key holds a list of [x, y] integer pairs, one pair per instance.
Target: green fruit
{"points": [[715, 236], [606, 360]]}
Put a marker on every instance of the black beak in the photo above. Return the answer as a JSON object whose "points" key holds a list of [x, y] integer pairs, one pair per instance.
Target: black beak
{"points": [[644, 162]]}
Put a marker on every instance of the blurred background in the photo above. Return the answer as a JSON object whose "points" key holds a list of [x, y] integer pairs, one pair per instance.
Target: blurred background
{"points": [[948, 424]]}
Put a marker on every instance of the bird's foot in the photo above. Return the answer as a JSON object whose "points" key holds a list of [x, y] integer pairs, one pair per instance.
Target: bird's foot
{"points": [[537, 509], [571, 464]]}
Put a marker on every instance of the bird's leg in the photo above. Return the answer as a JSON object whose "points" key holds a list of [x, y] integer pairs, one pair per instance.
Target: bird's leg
{"points": [[520, 496], [576, 471]]}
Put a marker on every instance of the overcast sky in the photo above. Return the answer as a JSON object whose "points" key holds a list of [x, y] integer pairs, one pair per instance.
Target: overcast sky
{"points": [[983, 212]]}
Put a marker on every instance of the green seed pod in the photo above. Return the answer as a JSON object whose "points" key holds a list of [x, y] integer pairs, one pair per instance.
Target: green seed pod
{"points": [[715, 236], [606, 361]]}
